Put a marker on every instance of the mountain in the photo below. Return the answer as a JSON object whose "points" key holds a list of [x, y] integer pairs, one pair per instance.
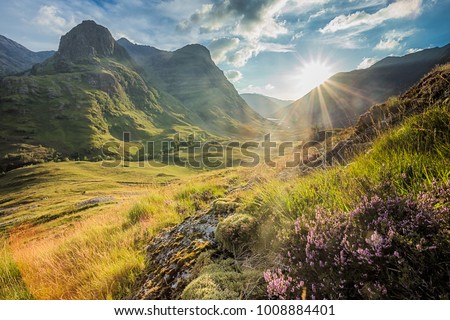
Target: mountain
{"points": [[345, 96], [264, 105], [15, 58], [92, 90], [190, 75], [88, 93]]}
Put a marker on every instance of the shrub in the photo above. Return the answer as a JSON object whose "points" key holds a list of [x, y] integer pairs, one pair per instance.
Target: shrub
{"points": [[222, 281], [395, 248], [236, 233], [224, 206]]}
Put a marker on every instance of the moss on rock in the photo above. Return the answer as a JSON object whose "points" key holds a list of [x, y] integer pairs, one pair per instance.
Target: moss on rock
{"points": [[235, 233]]}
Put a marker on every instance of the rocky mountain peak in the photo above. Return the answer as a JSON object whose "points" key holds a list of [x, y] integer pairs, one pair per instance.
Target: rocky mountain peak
{"points": [[195, 50], [86, 41]]}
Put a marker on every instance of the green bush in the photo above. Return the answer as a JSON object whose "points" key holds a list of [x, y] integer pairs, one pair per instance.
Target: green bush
{"points": [[222, 281], [236, 233], [224, 206]]}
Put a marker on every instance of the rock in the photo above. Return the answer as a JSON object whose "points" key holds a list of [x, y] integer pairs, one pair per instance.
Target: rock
{"points": [[96, 200], [172, 254], [86, 41]]}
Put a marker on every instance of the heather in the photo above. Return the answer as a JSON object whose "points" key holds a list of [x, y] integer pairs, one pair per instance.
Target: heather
{"points": [[393, 247], [376, 229]]}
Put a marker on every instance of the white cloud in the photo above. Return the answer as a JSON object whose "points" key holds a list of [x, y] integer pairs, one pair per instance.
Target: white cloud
{"points": [[388, 44], [250, 19], [367, 63], [392, 40], [318, 14], [50, 17], [365, 21], [349, 40], [295, 6], [221, 47], [275, 47], [246, 24], [413, 50], [252, 48], [233, 75], [240, 57], [265, 90], [298, 35]]}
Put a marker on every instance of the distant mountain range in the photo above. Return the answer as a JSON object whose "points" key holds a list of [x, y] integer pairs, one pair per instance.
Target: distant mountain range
{"points": [[264, 105], [345, 96], [15, 58], [93, 89]]}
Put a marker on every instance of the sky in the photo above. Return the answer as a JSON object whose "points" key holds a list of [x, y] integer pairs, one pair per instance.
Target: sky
{"points": [[280, 48]]}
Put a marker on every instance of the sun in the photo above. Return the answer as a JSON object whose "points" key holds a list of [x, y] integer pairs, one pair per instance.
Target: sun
{"points": [[314, 73]]}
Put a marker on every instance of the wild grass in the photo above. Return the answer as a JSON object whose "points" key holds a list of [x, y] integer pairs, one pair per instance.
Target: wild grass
{"points": [[90, 252], [12, 286], [197, 196], [408, 156], [92, 259]]}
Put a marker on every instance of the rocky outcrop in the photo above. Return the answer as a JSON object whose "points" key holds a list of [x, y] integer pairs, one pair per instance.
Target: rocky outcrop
{"points": [[171, 255], [87, 41]]}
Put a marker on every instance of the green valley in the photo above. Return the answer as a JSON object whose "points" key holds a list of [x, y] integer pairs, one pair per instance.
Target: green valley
{"points": [[99, 197]]}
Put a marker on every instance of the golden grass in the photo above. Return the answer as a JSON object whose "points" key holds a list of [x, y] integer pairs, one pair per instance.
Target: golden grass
{"points": [[12, 286], [97, 252], [81, 261]]}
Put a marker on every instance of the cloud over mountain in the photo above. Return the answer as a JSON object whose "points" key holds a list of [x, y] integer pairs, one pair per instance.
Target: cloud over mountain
{"points": [[362, 20]]}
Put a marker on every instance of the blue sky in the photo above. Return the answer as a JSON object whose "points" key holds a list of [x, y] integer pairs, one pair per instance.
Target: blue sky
{"points": [[263, 46]]}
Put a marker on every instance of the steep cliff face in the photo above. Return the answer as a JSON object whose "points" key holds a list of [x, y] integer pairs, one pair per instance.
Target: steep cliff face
{"points": [[85, 44], [86, 41]]}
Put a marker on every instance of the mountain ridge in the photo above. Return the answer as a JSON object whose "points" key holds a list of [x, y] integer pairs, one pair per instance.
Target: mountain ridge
{"points": [[72, 104], [92, 91], [340, 100], [15, 58], [211, 96]]}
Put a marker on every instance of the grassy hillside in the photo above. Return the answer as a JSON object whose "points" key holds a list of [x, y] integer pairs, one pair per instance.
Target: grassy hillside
{"points": [[75, 230], [75, 113], [210, 96]]}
